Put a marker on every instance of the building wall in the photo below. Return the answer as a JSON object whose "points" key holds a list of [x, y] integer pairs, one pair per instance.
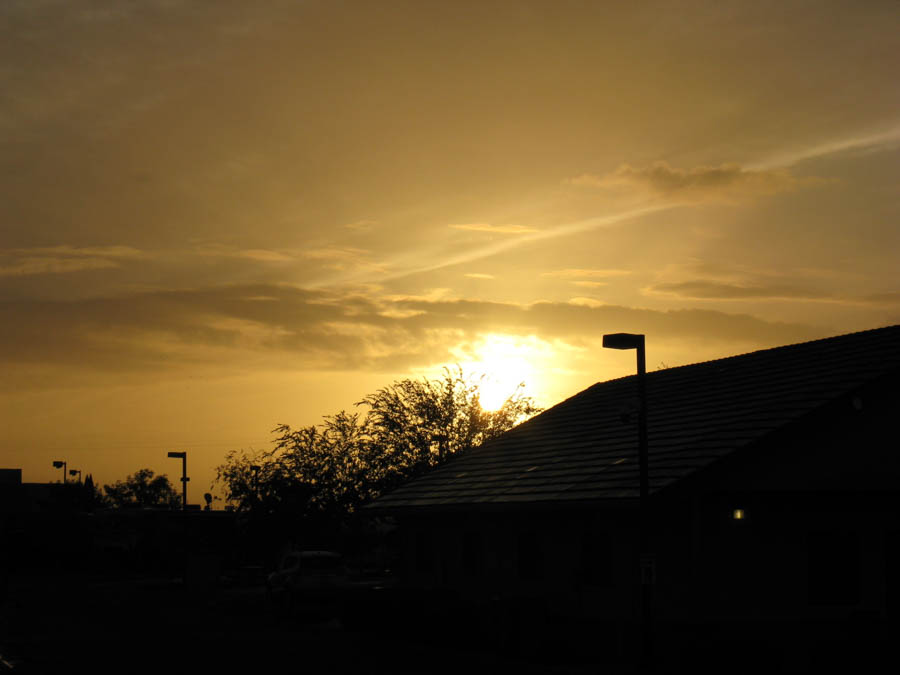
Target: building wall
{"points": [[814, 559], [570, 562], [821, 510]]}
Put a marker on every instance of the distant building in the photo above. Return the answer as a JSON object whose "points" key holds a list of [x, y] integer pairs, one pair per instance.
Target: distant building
{"points": [[55, 526], [40, 523], [17, 497], [774, 488]]}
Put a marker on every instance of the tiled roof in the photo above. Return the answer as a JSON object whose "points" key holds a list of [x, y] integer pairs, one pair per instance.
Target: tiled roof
{"points": [[582, 450]]}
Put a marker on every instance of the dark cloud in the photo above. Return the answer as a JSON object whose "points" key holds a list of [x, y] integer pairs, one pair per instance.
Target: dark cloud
{"points": [[23, 262], [727, 182], [24, 267], [571, 320], [225, 328]]}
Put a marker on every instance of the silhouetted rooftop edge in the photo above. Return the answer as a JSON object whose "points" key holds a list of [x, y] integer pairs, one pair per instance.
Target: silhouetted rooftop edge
{"points": [[581, 449]]}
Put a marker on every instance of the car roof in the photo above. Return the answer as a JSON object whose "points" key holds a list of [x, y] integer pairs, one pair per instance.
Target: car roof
{"points": [[319, 554]]}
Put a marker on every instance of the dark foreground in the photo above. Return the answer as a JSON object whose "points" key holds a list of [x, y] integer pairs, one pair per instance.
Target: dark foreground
{"points": [[78, 622]]}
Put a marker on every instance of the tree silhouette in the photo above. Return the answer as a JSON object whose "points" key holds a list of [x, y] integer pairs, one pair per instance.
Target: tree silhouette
{"points": [[330, 470], [93, 497], [142, 489], [418, 424]]}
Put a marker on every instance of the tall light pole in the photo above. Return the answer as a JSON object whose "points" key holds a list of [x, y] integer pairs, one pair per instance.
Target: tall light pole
{"points": [[184, 517], [636, 342], [60, 464], [184, 477]]}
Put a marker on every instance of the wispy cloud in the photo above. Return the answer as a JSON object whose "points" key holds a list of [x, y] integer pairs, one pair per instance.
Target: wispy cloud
{"points": [[264, 255], [335, 253], [706, 289], [345, 258], [33, 266], [507, 244], [257, 254], [700, 280], [575, 273], [723, 183], [884, 139], [887, 298], [64, 259], [361, 225], [494, 229], [77, 251], [337, 258], [479, 275]]}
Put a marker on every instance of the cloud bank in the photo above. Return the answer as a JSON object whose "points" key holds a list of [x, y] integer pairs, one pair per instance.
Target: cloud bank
{"points": [[282, 327]]}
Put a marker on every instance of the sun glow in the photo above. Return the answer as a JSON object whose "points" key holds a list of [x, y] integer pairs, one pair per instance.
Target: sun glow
{"points": [[502, 363]]}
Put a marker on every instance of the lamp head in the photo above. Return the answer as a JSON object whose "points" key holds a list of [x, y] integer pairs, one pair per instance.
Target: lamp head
{"points": [[73, 472], [623, 340], [58, 463], [179, 455]]}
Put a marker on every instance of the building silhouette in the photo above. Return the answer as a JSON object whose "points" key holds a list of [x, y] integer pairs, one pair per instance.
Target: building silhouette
{"points": [[774, 537]]}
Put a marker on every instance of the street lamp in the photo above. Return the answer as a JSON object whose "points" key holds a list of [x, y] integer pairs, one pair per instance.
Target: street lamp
{"points": [[75, 472], [184, 477], [59, 464], [636, 342]]}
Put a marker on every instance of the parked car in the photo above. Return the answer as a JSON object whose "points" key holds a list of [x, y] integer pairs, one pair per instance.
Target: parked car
{"points": [[246, 576], [309, 583]]}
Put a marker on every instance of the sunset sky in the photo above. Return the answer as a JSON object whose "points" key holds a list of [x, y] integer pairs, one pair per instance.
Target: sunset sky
{"points": [[219, 216]]}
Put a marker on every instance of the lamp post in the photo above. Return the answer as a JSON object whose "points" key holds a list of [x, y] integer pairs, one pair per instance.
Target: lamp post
{"points": [[184, 516], [184, 477], [75, 472], [60, 464], [636, 342]]}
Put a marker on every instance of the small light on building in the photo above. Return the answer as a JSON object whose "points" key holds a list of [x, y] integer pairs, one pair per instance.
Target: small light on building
{"points": [[738, 514]]}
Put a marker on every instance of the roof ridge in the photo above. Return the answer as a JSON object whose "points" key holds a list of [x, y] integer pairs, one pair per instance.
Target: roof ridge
{"points": [[732, 357], [703, 411]]}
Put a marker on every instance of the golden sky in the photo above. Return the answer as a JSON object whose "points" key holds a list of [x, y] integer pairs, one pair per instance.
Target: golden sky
{"points": [[220, 216]]}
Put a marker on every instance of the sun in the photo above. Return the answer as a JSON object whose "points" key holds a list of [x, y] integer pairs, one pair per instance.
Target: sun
{"points": [[502, 363]]}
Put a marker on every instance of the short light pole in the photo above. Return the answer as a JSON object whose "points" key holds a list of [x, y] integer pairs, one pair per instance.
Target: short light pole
{"points": [[75, 472], [60, 464], [636, 342], [184, 477]]}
